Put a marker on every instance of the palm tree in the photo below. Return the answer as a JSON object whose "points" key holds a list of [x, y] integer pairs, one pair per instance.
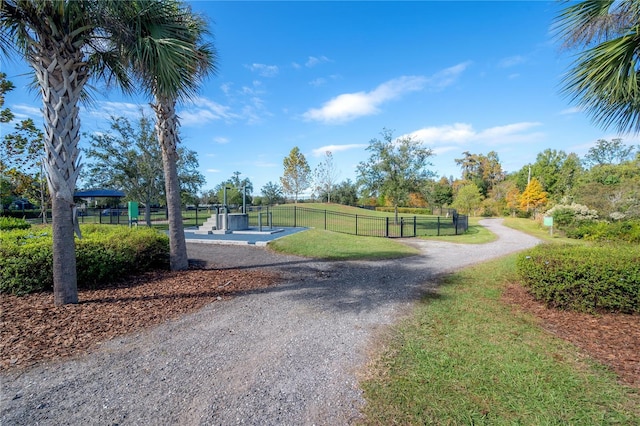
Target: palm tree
{"points": [[605, 78], [162, 42], [64, 42]]}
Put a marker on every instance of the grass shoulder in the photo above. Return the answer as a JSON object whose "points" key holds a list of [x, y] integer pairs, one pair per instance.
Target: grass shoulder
{"points": [[329, 245], [476, 234], [464, 357]]}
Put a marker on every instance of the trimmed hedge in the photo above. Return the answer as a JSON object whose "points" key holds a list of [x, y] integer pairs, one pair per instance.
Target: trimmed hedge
{"points": [[626, 231], [583, 278], [10, 223], [406, 210], [104, 255]]}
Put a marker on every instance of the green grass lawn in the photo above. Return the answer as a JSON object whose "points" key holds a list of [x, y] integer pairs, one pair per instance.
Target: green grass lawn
{"points": [[463, 357], [336, 246], [538, 230], [476, 234]]}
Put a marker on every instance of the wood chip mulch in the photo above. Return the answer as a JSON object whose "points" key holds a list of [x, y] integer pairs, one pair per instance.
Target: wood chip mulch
{"points": [[613, 339], [32, 329]]}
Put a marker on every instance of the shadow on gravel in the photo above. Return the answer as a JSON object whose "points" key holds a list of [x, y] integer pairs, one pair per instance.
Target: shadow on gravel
{"points": [[355, 287]]}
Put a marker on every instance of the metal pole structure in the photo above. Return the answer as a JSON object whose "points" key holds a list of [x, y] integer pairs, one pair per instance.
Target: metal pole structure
{"points": [[244, 199], [226, 209]]}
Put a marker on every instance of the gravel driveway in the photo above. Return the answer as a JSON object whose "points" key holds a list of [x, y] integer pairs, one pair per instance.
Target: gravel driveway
{"points": [[287, 355]]}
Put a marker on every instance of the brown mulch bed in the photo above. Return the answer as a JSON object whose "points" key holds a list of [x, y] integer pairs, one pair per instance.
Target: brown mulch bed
{"points": [[613, 339], [32, 329]]}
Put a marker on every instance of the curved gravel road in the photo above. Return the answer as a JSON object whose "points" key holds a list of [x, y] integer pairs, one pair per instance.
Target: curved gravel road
{"points": [[286, 355]]}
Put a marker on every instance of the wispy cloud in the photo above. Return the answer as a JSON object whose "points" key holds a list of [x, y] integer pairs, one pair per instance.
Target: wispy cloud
{"points": [[107, 109], [213, 171], [319, 152], [316, 60], [463, 133], [572, 110], [447, 76], [264, 70], [350, 106], [221, 140], [512, 61], [22, 112], [201, 111]]}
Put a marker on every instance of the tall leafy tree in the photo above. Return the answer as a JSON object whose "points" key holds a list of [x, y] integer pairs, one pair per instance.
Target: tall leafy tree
{"points": [[468, 198], [604, 78], [483, 170], [21, 157], [272, 193], [325, 176], [163, 42], [533, 196], [65, 42], [609, 152], [395, 168], [297, 173], [127, 157]]}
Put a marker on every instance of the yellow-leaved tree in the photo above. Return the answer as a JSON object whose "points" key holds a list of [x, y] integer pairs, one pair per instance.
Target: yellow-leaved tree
{"points": [[533, 196]]}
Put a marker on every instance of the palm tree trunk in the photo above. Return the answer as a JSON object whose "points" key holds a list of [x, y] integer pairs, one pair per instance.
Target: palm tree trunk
{"points": [[62, 74], [167, 128]]}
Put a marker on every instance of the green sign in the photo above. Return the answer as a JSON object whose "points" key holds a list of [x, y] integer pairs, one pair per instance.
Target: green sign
{"points": [[133, 210], [548, 221]]}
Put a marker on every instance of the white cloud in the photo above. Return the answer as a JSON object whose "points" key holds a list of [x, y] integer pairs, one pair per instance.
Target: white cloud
{"points": [[349, 106], [512, 61], [108, 109], [447, 76], [213, 171], [318, 152], [202, 110], [318, 82], [264, 70], [313, 61], [462, 133], [572, 110], [221, 140]]}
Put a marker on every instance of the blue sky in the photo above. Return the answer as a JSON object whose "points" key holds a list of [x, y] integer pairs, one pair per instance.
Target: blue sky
{"points": [[459, 76]]}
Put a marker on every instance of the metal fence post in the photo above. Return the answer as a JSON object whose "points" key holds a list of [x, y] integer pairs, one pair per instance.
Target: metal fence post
{"points": [[294, 216], [415, 228], [438, 233], [325, 220], [386, 231], [356, 224], [401, 227]]}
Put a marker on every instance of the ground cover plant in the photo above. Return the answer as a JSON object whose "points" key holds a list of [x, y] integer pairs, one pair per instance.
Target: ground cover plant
{"points": [[9, 223], [464, 357], [104, 255]]}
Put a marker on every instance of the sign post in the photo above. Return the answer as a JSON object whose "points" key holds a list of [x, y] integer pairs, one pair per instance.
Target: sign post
{"points": [[133, 212], [548, 221]]}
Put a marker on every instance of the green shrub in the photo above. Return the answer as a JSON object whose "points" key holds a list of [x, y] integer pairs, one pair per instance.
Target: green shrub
{"points": [[10, 223], [623, 231], [581, 278], [406, 210], [104, 255]]}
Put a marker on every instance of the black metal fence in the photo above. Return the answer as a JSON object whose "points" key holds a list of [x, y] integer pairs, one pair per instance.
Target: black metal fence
{"points": [[294, 216], [364, 225]]}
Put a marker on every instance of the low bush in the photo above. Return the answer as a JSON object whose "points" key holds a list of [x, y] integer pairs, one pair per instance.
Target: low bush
{"points": [[406, 210], [623, 231], [583, 278], [10, 223], [104, 255]]}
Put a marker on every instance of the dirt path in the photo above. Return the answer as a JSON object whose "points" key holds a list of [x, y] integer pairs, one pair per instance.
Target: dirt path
{"points": [[286, 355]]}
